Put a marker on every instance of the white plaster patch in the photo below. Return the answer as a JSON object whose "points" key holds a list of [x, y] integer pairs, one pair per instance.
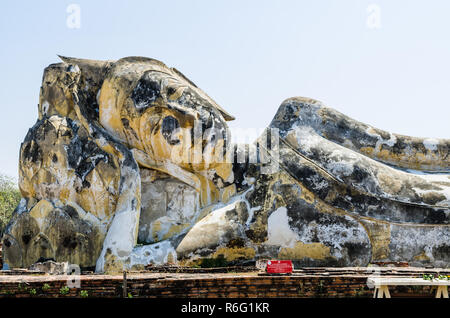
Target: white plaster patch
{"points": [[248, 180], [390, 142], [445, 191], [157, 254], [98, 96], [340, 163], [413, 171], [409, 241], [251, 213], [279, 231], [431, 144], [441, 185], [45, 106], [307, 138], [74, 69], [22, 207], [219, 216], [120, 238]]}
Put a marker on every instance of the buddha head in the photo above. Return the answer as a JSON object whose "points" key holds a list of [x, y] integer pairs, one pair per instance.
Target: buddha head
{"points": [[170, 124]]}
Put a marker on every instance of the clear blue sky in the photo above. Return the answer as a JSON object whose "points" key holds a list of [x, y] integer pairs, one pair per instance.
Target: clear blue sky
{"points": [[248, 55]]}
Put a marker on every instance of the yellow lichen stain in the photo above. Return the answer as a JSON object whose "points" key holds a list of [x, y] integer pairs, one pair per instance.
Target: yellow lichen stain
{"points": [[109, 149], [389, 184], [235, 253], [307, 195], [55, 96], [175, 229], [380, 237], [371, 131], [160, 232], [227, 193], [273, 199], [368, 151], [41, 209], [386, 155], [421, 257], [110, 100], [302, 250], [190, 262], [64, 195], [170, 259], [156, 228], [286, 179], [332, 195], [412, 159], [291, 138], [209, 193], [325, 208]]}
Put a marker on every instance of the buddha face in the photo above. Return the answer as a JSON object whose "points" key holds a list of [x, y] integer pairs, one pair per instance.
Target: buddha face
{"points": [[156, 110]]}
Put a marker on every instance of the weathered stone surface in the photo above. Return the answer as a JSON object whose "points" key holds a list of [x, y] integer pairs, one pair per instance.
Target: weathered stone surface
{"points": [[51, 267], [168, 207], [130, 163], [215, 230]]}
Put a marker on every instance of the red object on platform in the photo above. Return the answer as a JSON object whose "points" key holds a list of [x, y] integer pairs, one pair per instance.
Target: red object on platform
{"points": [[279, 267]]}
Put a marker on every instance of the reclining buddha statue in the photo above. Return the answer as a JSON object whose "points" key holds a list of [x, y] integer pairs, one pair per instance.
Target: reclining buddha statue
{"points": [[131, 164]]}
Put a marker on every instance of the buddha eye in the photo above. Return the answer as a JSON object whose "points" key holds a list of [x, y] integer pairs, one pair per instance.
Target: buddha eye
{"points": [[168, 130], [146, 92]]}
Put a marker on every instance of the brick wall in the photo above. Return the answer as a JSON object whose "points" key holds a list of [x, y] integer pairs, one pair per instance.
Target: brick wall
{"points": [[201, 285]]}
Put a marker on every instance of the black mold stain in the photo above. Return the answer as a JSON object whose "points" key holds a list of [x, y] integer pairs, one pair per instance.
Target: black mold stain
{"points": [[169, 127], [26, 238], [146, 92], [32, 152], [71, 211], [7, 243], [442, 252], [69, 242], [83, 155]]}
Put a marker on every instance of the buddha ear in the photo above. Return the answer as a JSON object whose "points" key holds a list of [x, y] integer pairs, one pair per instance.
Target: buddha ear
{"points": [[93, 70]]}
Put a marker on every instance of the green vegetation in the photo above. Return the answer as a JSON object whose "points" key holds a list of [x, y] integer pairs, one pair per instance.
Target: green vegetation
{"points": [[32, 292], [84, 293], [64, 290], [9, 199], [129, 295], [45, 287], [431, 277], [220, 261]]}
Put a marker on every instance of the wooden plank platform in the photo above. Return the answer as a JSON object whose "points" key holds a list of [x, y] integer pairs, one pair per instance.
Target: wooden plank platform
{"points": [[381, 285]]}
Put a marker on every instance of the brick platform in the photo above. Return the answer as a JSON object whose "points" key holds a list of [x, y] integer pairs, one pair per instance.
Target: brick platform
{"points": [[306, 282]]}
